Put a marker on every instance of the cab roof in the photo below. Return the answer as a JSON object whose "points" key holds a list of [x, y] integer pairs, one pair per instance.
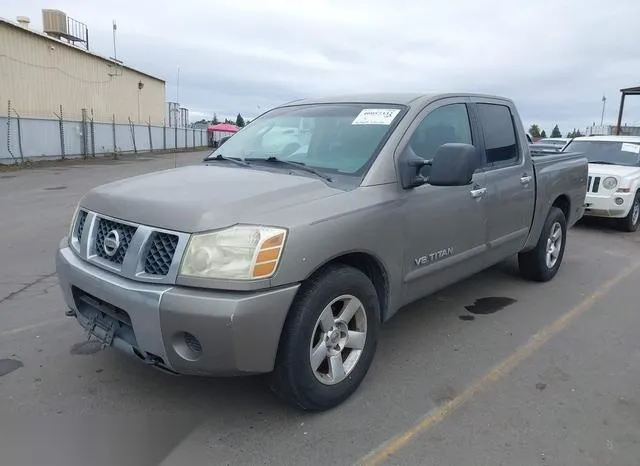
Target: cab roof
{"points": [[398, 98]]}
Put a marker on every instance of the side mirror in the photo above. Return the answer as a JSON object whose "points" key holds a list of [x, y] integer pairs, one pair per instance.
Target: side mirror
{"points": [[453, 165]]}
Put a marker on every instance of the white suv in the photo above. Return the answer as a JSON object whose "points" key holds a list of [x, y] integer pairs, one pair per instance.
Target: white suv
{"points": [[613, 188]]}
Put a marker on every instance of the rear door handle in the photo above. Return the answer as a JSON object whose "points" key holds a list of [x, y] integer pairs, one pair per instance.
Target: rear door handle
{"points": [[525, 179], [478, 193]]}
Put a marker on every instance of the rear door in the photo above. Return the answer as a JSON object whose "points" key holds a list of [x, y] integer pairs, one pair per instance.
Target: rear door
{"points": [[509, 175]]}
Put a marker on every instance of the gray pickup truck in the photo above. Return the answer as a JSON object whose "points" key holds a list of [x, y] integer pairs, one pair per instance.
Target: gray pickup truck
{"points": [[285, 260]]}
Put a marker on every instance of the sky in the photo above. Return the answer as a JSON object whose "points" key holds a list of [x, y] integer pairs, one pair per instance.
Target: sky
{"points": [[555, 59]]}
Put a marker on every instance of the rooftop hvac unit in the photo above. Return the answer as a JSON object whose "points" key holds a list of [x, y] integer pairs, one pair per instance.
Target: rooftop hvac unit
{"points": [[57, 24], [54, 23]]}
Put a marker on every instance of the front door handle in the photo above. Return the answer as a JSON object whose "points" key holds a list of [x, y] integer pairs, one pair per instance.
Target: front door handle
{"points": [[478, 193], [525, 179]]}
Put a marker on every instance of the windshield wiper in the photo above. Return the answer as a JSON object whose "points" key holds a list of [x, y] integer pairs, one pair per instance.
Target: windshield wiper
{"points": [[298, 165], [602, 162], [228, 159]]}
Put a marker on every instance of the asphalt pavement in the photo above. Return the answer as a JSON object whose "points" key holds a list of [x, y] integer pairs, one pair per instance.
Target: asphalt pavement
{"points": [[494, 370]]}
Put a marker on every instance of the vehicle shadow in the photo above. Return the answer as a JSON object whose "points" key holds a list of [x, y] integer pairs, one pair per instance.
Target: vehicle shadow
{"points": [[596, 227], [604, 225]]}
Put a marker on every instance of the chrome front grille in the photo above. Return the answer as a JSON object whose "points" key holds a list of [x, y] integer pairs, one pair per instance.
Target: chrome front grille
{"points": [[82, 217], [160, 254], [125, 235], [134, 251]]}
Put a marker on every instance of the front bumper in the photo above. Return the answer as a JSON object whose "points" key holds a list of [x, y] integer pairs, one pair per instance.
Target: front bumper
{"points": [[235, 332], [604, 205]]}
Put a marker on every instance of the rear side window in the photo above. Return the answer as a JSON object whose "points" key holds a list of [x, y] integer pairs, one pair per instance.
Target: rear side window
{"points": [[499, 134]]}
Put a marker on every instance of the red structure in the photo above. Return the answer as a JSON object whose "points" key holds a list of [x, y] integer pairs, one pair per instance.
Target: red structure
{"points": [[223, 128], [219, 131]]}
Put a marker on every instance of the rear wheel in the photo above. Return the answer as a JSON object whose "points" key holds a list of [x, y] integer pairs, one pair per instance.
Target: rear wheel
{"points": [[631, 221], [328, 341], [542, 263]]}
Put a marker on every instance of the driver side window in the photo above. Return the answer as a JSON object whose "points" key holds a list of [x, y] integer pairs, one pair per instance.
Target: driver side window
{"points": [[449, 123]]}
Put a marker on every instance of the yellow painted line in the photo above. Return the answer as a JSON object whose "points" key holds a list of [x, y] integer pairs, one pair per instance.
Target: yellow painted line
{"points": [[30, 327], [433, 418]]}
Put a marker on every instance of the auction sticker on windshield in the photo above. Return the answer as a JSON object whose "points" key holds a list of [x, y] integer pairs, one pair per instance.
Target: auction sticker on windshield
{"points": [[626, 147], [376, 116]]}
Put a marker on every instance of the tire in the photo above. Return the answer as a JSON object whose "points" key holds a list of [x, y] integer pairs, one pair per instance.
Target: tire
{"points": [[294, 379], [533, 264], [632, 220]]}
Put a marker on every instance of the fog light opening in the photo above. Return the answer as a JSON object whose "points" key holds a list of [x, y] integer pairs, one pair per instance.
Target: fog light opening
{"points": [[187, 346], [619, 201]]}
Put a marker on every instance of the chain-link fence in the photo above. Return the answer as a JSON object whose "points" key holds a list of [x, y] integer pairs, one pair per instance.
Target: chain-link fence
{"points": [[31, 138]]}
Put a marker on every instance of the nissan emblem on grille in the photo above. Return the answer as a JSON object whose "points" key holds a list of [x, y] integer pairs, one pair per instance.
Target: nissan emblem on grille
{"points": [[111, 243]]}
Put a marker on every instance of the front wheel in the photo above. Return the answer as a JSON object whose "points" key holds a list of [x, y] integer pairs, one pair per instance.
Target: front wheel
{"points": [[329, 339], [542, 263], [631, 221]]}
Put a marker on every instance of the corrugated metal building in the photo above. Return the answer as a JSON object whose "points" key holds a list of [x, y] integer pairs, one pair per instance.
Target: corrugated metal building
{"points": [[38, 73]]}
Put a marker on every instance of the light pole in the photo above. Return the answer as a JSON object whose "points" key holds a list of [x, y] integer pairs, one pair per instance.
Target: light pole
{"points": [[604, 102], [140, 86]]}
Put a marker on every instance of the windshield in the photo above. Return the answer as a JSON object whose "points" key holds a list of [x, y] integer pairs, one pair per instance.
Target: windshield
{"points": [[335, 138], [613, 152]]}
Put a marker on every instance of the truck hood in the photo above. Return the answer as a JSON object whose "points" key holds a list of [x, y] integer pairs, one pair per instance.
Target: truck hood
{"points": [[613, 170], [203, 197]]}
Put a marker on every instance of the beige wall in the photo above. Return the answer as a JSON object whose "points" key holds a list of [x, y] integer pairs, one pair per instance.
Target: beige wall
{"points": [[38, 75]]}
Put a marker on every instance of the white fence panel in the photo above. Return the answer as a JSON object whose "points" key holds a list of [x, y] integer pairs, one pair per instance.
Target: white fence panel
{"points": [[41, 138]]}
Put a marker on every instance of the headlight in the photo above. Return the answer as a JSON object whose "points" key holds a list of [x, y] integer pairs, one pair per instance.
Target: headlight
{"points": [[609, 182], [242, 252]]}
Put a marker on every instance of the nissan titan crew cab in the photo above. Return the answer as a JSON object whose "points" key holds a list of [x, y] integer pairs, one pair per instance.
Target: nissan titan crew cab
{"points": [[285, 250]]}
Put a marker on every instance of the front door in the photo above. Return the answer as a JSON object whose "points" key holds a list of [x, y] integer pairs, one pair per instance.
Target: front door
{"points": [[445, 229]]}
